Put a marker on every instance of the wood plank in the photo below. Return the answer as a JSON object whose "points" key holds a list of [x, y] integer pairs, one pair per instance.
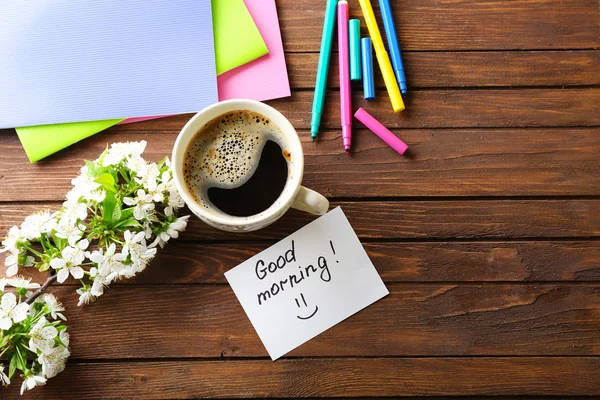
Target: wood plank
{"points": [[489, 162], [375, 220], [460, 24], [523, 261], [413, 320], [556, 376], [184, 262], [481, 108], [461, 108], [470, 69]]}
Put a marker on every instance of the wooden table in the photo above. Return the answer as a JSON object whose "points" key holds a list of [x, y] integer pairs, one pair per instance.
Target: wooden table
{"points": [[487, 235]]}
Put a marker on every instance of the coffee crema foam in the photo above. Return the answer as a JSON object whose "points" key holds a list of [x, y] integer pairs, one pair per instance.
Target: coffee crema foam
{"points": [[225, 152]]}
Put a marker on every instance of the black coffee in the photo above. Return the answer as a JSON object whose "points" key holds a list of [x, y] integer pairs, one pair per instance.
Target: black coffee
{"points": [[236, 164]]}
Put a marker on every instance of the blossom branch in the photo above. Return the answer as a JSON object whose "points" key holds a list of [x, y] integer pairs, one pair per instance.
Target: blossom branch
{"points": [[41, 290]]}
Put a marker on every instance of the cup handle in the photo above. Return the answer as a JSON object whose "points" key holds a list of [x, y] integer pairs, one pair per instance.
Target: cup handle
{"points": [[310, 201]]}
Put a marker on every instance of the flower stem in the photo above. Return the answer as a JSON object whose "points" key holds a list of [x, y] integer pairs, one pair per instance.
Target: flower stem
{"points": [[38, 292], [37, 253]]}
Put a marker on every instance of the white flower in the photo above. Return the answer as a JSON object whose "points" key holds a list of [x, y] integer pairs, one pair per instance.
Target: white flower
{"points": [[71, 232], [147, 230], [85, 187], [172, 231], [100, 282], [3, 283], [41, 337], [144, 206], [148, 175], [11, 312], [10, 242], [38, 223], [11, 245], [175, 202], [119, 151], [85, 297], [69, 263], [110, 266], [109, 261], [12, 264], [72, 212], [53, 361], [135, 247], [55, 307], [4, 381], [138, 165], [20, 282], [64, 337], [31, 381]]}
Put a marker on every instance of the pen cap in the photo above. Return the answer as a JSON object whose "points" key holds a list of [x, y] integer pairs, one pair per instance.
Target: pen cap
{"points": [[366, 51], [354, 42], [377, 128]]}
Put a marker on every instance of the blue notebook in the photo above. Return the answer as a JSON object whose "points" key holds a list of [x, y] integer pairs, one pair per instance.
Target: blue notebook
{"points": [[84, 60]]}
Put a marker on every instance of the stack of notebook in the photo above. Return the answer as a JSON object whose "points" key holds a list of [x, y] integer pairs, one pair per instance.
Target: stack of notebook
{"points": [[70, 70]]}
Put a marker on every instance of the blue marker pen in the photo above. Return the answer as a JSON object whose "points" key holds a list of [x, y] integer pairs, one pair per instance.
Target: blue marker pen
{"points": [[392, 39], [366, 52]]}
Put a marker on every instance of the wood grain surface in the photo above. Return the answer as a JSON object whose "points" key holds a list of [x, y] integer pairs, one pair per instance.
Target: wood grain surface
{"points": [[339, 377], [487, 233], [413, 320], [446, 162], [460, 24], [376, 220]]}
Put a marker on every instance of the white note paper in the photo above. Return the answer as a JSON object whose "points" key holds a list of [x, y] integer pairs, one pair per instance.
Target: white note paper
{"points": [[306, 283]]}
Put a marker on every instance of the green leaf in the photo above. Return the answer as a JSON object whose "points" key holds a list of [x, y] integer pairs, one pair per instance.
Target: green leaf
{"points": [[22, 362], [60, 243], [107, 181], [43, 267], [12, 368], [116, 215], [91, 166], [127, 213], [16, 362], [126, 223], [108, 208], [4, 340]]}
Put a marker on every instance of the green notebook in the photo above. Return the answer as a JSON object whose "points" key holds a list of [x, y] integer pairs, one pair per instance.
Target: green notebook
{"points": [[231, 21]]}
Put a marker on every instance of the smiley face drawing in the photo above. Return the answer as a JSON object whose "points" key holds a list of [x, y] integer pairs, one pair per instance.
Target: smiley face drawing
{"points": [[306, 305]]}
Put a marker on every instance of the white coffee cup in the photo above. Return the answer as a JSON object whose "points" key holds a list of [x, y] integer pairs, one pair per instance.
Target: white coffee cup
{"points": [[293, 195]]}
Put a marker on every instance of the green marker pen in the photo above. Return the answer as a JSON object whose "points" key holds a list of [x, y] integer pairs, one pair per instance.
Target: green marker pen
{"points": [[323, 67], [354, 43]]}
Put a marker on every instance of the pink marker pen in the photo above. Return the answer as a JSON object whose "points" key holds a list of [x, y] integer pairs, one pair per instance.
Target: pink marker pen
{"points": [[344, 59], [384, 133]]}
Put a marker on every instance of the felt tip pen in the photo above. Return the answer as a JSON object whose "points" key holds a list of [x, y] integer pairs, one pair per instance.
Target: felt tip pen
{"points": [[384, 133], [345, 94], [366, 53], [393, 45], [323, 67], [383, 58], [354, 43]]}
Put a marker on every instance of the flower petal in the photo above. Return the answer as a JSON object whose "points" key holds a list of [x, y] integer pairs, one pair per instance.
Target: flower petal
{"points": [[57, 263], [62, 275], [12, 270], [48, 332], [20, 312], [5, 323], [77, 272], [8, 302]]}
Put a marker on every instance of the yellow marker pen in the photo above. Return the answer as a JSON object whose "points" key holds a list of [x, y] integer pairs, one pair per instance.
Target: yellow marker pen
{"points": [[383, 59]]}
